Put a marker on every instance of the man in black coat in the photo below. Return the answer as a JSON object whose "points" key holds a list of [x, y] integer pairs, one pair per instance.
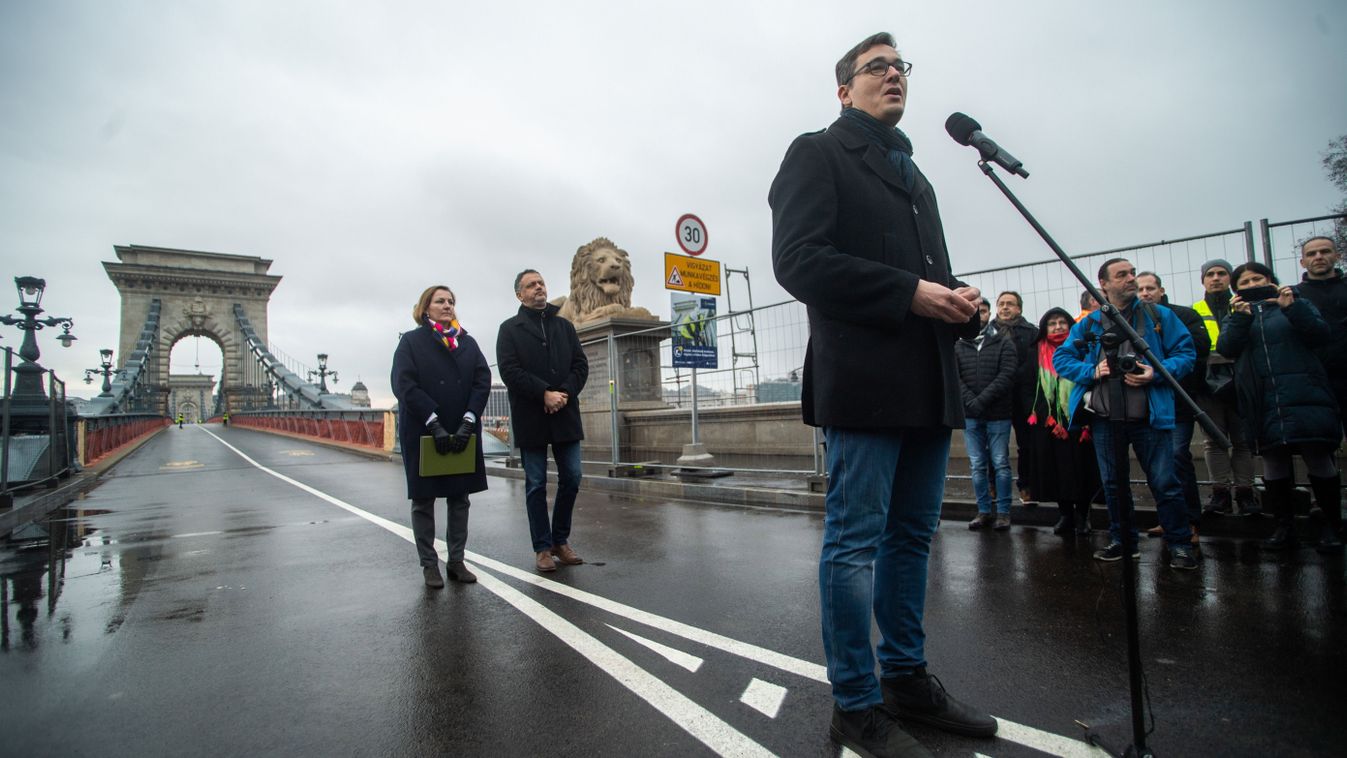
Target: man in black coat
{"points": [[544, 368], [1010, 320], [987, 369], [1149, 290], [1324, 286], [856, 237]]}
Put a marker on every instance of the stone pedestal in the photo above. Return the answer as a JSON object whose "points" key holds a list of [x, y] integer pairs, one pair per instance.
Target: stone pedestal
{"points": [[634, 376]]}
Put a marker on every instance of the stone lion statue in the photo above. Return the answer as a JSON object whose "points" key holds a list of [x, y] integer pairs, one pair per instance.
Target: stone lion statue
{"points": [[601, 285]]}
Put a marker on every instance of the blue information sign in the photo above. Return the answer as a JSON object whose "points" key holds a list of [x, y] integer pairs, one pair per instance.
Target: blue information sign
{"points": [[694, 331]]}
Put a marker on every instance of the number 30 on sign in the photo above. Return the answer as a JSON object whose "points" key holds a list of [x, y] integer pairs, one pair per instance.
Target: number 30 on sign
{"points": [[691, 234]]}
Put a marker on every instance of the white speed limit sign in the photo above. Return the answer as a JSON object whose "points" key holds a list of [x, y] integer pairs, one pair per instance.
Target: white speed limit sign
{"points": [[691, 234]]}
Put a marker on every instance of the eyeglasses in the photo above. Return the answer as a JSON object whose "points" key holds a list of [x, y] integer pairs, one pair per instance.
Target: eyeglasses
{"points": [[880, 67]]}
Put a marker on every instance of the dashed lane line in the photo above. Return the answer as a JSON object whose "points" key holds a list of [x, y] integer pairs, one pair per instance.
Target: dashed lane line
{"points": [[1038, 739]]}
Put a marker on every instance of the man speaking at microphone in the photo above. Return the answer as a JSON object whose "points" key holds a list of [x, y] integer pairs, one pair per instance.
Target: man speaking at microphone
{"points": [[856, 237]]}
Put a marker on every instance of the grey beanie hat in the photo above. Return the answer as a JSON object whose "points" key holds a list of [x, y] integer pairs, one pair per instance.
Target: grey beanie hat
{"points": [[1216, 262]]}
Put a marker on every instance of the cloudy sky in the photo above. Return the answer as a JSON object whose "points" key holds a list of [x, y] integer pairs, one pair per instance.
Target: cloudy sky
{"points": [[371, 149]]}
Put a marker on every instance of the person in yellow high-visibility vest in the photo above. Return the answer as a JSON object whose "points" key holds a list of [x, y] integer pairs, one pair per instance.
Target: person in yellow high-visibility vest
{"points": [[179, 420], [1234, 468]]}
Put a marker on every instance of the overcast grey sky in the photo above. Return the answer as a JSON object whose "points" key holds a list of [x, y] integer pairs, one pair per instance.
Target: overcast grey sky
{"points": [[371, 149]]}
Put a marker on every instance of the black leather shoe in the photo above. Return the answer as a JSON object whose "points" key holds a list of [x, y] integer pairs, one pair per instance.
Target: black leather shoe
{"points": [[1284, 538], [432, 577], [873, 733], [1329, 542], [922, 698], [460, 573], [1063, 526]]}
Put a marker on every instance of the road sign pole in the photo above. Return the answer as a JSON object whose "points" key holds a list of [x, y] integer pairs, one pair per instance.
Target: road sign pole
{"points": [[694, 406]]}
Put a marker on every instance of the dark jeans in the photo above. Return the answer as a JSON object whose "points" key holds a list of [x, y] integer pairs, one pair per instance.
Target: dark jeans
{"points": [[1155, 452], [455, 531], [1184, 468], [554, 532]]}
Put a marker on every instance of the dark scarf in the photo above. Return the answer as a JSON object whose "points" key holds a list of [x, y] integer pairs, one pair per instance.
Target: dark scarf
{"points": [[1219, 303], [891, 139]]}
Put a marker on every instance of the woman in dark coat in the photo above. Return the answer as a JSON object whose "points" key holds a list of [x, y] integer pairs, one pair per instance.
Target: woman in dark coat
{"points": [[442, 381], [1062, 466], [1285, 400]]}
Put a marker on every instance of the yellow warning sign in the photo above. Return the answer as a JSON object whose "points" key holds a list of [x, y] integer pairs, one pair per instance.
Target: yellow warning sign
{"points": [[688, 274]]}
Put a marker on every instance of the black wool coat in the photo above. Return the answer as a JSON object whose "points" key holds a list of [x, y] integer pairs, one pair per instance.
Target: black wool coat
{"points": [[1283, 391], [851, 243], [428, 378], [1024, 335], [538, 351], [987, 376]]}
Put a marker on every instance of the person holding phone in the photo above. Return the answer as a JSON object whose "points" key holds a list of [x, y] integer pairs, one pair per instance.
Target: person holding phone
{"points": [[1284, 397], [442, 382]]}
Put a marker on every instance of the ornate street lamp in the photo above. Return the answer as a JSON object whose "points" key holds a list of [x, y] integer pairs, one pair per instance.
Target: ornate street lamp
{"points": [[322, 373], [106, 370], [28, 387]]}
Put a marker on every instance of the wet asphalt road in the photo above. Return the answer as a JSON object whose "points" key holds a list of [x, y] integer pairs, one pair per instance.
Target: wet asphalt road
{"points": [[194, 603]]}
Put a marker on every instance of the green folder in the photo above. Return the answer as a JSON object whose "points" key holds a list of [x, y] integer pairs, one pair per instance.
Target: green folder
{"points": [[434, 464]]}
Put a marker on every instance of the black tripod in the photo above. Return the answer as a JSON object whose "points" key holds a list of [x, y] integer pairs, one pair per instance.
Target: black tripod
{"points": [[1118, 330]]}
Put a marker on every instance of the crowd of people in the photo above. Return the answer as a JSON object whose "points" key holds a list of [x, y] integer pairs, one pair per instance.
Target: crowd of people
{"points": [[1264, 361]]}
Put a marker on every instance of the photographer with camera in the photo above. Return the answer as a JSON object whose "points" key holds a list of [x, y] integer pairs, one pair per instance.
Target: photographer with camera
{"points": [[1094, 357], [1284, 397]]}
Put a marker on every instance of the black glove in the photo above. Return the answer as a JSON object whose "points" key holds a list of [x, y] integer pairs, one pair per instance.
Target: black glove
{"points": [[443, 440], [459, 442]]}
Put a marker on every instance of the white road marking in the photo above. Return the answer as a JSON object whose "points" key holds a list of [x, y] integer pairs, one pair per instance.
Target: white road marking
{"points": [[706, 727], [195, 534], [1038, 739], [674, 656], [764, 697], [720, 642]]}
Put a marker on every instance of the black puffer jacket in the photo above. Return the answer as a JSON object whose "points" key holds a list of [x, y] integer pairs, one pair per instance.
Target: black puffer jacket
{"points": [[1283, 391], [986, 376]]}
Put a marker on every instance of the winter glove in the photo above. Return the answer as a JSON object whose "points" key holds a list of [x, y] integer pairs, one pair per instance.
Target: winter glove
{"points": [[459, 442], [443, 440]]}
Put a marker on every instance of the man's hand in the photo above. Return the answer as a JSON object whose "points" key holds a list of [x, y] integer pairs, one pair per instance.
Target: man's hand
{"points": [[443, 440], [1101, 369], [942, 303], [459, 442], [1141, 378], [554, 400]]}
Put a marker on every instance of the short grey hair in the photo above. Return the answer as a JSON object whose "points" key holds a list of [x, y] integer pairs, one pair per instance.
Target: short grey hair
{"points": [[520, 277]]}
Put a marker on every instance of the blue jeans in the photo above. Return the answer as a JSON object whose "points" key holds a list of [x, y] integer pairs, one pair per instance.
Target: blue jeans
{"points": [[1155, 452], [1184, 468], [549, 533], [883, 505], [989, 440]]}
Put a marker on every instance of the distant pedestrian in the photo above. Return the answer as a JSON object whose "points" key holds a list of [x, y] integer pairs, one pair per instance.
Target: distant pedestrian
{"points": [[1284, 397], [544, 369], [1010, 321], [987, 368], [225, 418], [857, 238], [1146, 420], [1063, 469], [1324, 285], [179, 420], [1233, 468], [1151, 290], [442, 382]]}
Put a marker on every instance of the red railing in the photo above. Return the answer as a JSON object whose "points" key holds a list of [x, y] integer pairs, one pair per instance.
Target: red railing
{"points": [[104, 435], [364, 428]]}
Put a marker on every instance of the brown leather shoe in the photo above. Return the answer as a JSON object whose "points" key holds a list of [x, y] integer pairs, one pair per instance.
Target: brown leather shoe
{"points": [[566, 555], [545, 562]]}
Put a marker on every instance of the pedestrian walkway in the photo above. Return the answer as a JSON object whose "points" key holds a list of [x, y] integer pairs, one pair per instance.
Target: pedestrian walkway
{"points": [[230, 591]]}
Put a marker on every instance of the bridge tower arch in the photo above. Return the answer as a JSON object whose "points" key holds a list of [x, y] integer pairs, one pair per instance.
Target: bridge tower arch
{"points": [[197, 292]]}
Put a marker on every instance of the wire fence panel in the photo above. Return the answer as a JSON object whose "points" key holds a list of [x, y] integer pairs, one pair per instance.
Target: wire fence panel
{"points": [[1282, 241], [1047, 284]]}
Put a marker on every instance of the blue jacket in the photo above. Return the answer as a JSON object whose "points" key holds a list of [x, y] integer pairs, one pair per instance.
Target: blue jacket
{"points": [[1076, 360]]}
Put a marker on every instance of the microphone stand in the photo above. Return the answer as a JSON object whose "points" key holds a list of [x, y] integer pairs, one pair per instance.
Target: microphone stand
{"points": [[1122, 492]]}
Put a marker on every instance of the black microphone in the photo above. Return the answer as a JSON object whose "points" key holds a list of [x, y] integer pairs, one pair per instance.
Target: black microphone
{"points": [[967, 131]]}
